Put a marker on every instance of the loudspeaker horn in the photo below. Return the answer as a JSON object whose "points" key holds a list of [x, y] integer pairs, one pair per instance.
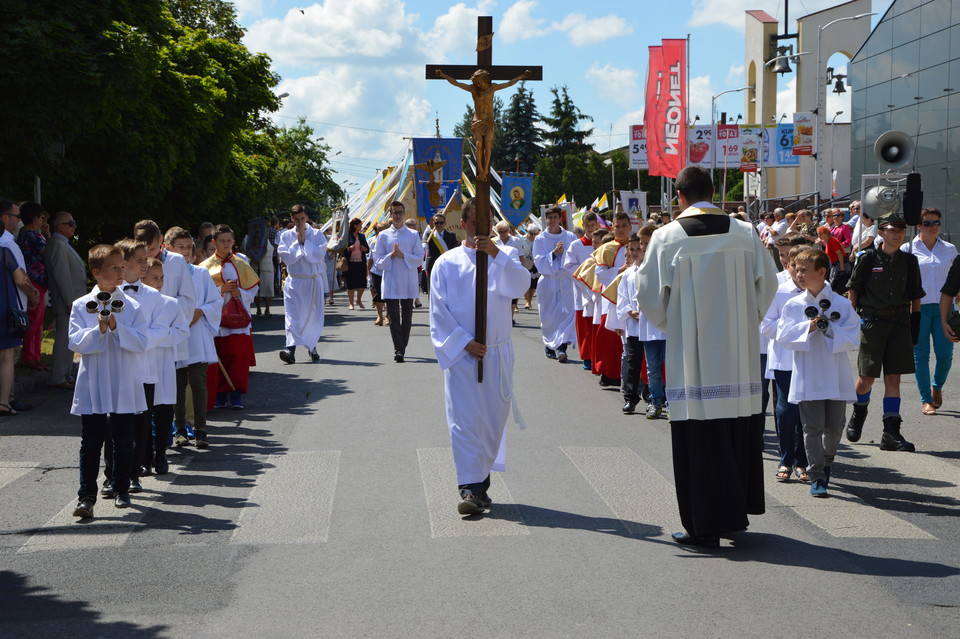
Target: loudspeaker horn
{"points": [[894, 150], [879, 201]]}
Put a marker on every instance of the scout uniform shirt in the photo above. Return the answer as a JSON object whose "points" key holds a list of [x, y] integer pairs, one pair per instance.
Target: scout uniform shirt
{"points": [[886, 283]]}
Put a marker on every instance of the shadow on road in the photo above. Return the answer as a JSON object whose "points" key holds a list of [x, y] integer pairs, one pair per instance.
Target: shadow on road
{"points": [[778, 550], [31, 611], [550, 518]]}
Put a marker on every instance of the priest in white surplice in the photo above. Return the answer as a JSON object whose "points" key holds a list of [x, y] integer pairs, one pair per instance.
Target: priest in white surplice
{"points": [[707, 281], [555, 289], [303, 249], [476, 412]]}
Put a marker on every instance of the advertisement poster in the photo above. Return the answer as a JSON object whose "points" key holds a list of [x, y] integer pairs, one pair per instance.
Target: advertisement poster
{"points": [[783, 146], [638, 147], [700, 145], [665, 113], [728, 145], [749, 149], [803, 133]]}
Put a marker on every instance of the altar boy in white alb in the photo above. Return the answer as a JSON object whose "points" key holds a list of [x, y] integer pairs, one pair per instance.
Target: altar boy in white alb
{"points": [[398, 253], [555, 290], [822, 382], [476, 412], [108, 334], [303, 249]]}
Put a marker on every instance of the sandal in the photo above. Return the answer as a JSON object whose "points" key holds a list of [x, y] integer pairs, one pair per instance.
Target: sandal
{"points": [[802, 473], [783, 474], [7, 413]]}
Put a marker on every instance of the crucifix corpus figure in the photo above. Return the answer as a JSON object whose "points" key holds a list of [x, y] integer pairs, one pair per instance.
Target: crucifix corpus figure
{"points": [[482, 90]]}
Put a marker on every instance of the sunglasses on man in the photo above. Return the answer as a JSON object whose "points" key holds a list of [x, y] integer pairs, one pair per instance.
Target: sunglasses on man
{"points": [[930, 223]]}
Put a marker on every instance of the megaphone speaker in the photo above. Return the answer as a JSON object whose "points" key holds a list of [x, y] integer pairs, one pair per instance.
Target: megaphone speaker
{"points": [[913, 199], [894, 150], [879, 201]]}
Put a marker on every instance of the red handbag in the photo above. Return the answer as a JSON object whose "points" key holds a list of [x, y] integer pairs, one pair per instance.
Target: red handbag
{"points": [[234, 315]]}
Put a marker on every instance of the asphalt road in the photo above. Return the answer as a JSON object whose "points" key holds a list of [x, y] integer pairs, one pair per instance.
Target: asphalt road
{"points": [[327, 509]]}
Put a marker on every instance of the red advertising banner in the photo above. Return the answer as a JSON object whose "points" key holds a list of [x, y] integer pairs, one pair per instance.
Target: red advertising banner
{"points": [[665, 114]]}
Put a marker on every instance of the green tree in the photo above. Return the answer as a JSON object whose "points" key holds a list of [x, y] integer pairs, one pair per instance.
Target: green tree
{"points": [[576, 182], [301, 173], [547, 181], [217, 17], [125, 112], [521, 137], [564, 136]]}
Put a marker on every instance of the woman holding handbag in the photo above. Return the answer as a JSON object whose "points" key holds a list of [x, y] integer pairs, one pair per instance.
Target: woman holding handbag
{"points": [[32, 243], [356, 261]]}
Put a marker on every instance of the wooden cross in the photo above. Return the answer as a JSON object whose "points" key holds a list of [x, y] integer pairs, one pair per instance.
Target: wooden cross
{"points": [[511, 74]]}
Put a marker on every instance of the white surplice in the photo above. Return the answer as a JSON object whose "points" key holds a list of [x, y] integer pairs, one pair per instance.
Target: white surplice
{"points": [[178, 284], [821, 367], [304, 288], [110, 378], [778, 357], [627, 301], [399, 273], [709, 294], [476, 412], [573, 257], [555, 292], [200, 346]]}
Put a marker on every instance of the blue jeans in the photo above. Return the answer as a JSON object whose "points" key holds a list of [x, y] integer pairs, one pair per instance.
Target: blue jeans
{"points": [[655, 350], [943, 348], [789, 426]]}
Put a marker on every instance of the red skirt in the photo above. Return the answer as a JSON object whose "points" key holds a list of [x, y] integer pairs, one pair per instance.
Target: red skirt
{"points": [[607, 351], [237, 355], [584, 335]]}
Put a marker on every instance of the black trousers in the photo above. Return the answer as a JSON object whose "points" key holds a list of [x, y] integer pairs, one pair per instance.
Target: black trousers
{"points": [[630, 370], [709, 506], [400, 313], [116, 431]]}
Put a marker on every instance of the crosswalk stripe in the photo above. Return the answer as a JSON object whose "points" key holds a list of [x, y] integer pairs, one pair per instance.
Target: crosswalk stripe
{"points": [[109, 528], [843, 514], [278, 514], [637, 494], [12, 471], [439, 478]]}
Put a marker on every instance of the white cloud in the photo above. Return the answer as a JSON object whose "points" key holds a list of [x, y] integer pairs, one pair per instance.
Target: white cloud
{"points": [[735, 76], [622, 86], [335, 30], [247, 8], [456, 30], [731, 12], [518, 22], [583, 31], [786, 99], [698, 102]]}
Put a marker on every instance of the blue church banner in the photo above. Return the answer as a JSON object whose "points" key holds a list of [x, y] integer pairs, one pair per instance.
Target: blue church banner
{"points": [[438, 166], [515, 197]]}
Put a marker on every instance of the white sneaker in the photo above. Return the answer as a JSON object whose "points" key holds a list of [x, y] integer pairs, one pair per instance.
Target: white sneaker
{"points": [[654, 412]]}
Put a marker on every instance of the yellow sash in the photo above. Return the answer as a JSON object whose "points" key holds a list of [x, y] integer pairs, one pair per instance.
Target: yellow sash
{"points": [[248, 278]]}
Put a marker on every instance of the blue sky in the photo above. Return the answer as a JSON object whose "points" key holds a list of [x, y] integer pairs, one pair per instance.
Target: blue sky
{"points": [[354, 68]]}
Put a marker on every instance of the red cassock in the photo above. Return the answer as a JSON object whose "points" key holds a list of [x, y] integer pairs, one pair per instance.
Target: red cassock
{"points": [[238, 355], [584, 335]]}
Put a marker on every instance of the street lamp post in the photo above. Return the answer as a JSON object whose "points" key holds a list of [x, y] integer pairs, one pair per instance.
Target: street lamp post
{"points": [[713, 121], [833, 136], [761, 204], [821, 90]]}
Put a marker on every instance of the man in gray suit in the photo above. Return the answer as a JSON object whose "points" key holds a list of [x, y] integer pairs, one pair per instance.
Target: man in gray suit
{"points": [[67, 278]]}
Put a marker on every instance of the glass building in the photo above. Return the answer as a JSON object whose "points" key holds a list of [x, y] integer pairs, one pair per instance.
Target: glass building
{"points": [[907, 78]]}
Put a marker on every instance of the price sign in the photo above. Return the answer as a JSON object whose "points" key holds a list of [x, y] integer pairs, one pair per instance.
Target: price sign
{"points": [[638, 147], [700, 145]]}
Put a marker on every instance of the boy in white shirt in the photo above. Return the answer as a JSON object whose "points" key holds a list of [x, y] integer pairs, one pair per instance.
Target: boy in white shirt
{"points": [[107, 329], [819, 326], [628, 321]]}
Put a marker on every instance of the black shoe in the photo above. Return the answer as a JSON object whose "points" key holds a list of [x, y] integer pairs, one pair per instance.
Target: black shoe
{"points": [[314, 356], [200, 438], [136, 486], [549, 352], [288, 357], [629, 407], [470, 504], [892, 439], [84, 509], [687, 539], [122, 500], [161, 464], [608, 381], [855, 426], [398, 357], [107, 490]]}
